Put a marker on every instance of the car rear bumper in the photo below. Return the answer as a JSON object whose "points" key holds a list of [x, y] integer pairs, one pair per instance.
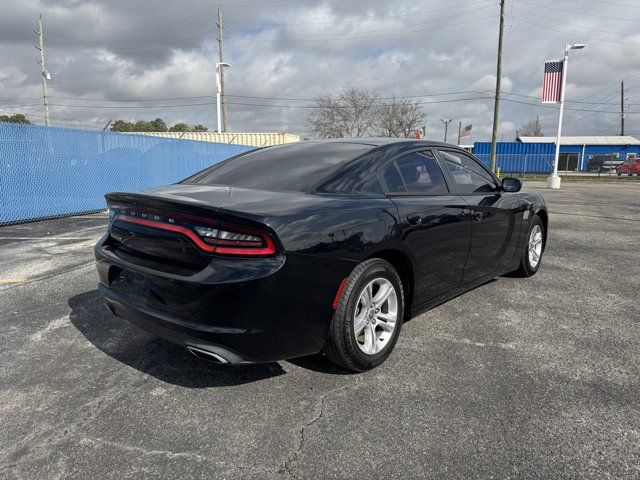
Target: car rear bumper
{"points": [[274, 315]]}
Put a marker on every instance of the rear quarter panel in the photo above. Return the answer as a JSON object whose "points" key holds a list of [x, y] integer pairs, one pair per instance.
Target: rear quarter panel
{"points": [[346, 228]]}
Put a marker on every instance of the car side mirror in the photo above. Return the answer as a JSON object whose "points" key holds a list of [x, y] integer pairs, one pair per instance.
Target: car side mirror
{"points": [[511, 184]]}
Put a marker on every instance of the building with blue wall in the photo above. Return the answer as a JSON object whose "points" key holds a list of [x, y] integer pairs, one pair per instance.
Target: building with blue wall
{"points": [[535, 154]]}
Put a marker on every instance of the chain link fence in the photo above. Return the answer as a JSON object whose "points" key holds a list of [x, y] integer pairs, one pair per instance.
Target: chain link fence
{"points": [[48, 172]]}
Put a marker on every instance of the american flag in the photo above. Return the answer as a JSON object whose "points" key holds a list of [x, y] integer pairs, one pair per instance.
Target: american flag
{"points": [[552, 82], [466, 131]]}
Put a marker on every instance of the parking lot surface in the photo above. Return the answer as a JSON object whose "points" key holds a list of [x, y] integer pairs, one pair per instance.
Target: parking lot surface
{"points": [[519, 378]]}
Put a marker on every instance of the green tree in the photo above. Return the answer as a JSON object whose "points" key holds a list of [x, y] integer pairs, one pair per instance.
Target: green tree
{"points": [[180, 127], [142, 126], [17, 118], [122, 126], [158, 125]]}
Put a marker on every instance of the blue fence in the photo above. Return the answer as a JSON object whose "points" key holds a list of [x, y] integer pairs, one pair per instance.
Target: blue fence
{"points": [[49, 172], [516, 157]]}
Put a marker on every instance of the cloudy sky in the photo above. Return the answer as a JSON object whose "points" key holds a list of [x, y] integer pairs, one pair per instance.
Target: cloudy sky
{"points": [[135, 59]]}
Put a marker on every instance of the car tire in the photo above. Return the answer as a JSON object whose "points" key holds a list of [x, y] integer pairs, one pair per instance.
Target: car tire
{"points": [[535, 240], [618, 172], [363, 351]]}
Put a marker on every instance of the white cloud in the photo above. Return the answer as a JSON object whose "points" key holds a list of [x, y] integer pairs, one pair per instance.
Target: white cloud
{"points": [[118, 49]]}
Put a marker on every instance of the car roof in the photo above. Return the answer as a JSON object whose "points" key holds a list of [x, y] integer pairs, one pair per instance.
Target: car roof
{"points": [[382, 141]]}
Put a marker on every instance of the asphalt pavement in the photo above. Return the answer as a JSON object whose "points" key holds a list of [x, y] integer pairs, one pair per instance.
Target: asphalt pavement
{"points": [[519, 378]]}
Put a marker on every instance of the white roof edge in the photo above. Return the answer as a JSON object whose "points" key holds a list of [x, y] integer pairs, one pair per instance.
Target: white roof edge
{"points": [[585, 140]]}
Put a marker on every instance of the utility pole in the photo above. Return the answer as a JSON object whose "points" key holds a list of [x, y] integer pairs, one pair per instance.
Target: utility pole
{"points": [[622, 108], [221, 60], [45, 75], [496, 104], [459, 128], [446, 128]]}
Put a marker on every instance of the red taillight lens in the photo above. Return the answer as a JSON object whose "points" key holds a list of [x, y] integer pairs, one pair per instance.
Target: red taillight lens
{"points": [[217, 239], [228, 242]]}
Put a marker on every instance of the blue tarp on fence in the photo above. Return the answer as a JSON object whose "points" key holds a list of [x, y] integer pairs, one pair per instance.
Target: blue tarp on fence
{"points": [[49, 172]]}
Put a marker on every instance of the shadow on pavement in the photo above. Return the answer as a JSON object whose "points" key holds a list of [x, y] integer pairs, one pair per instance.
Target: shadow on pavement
{"points": [[172, 364]]}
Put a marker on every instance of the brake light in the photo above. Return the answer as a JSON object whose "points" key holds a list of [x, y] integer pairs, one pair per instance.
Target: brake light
{"points": [[216, 239], [240, 242]]}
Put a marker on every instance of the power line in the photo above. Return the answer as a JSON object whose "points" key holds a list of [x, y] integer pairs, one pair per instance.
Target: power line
{"points": [[155, 40], [380, 98], [155, 27], [577, 34], [554, 107], [578, 12], [397, 34], [576, 25], [413, 14], [616, 4], [572, 101], [233, 103], [366, 32], [134, 100]]}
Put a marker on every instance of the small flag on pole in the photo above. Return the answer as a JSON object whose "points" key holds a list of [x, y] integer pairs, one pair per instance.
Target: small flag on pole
{"points": [[466, 131], [552, 82]]}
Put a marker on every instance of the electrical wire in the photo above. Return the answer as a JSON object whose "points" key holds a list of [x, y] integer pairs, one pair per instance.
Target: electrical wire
{"points": [[412, 14], [577, 34], [366, 32], [394, 35], [578, 12], [576, 25]]}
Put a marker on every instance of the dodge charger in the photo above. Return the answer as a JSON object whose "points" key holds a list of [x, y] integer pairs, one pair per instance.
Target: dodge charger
{"points": [[311, 247]]}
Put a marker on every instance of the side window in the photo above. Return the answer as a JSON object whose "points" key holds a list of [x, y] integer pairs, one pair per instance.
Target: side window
{"points": [[468, 175], [421, 174], [392, 178]]}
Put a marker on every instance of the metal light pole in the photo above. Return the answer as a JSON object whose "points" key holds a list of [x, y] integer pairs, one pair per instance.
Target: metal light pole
{"points": [[219, 67], [446, 128], [554, 180]]}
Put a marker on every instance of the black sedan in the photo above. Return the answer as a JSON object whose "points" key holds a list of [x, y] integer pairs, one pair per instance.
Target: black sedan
{"points": [[316, 246]]}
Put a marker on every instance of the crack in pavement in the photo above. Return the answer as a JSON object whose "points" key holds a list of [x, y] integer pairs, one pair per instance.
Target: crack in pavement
{"points": [[169, 454], [319, 408], [58, 432]]}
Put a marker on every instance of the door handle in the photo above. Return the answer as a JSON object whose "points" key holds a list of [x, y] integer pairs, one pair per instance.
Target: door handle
{"points": [[414, 219]]}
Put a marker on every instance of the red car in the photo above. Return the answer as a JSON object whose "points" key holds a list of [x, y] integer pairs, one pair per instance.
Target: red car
{"points": [[630, 167]]}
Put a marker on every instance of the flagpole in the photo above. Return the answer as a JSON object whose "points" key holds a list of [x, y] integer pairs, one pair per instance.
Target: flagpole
{"points": [[459, 128], [554, 180]]}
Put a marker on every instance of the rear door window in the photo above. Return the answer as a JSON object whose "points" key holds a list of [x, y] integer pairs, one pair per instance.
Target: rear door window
{"points": [[421, 174], [392, 181], [415, 173]]}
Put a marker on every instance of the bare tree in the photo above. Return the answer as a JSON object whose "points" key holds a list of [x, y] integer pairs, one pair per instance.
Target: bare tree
{"points": [[399, 117], [530, 129], [351, 113]]}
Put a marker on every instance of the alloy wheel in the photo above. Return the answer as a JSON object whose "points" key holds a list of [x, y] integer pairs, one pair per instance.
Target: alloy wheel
{"points": [[535, 246], [375, 316]]}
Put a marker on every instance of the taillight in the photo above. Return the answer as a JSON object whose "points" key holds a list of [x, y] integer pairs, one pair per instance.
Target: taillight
{"points": [[217, 239], [228, 242]]}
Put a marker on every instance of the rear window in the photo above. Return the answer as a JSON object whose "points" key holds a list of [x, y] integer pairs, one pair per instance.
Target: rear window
{"points": [[295, 167]]}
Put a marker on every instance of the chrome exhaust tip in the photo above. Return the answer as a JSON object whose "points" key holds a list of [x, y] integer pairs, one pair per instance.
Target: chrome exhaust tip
{"points": [[207, 355]]}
